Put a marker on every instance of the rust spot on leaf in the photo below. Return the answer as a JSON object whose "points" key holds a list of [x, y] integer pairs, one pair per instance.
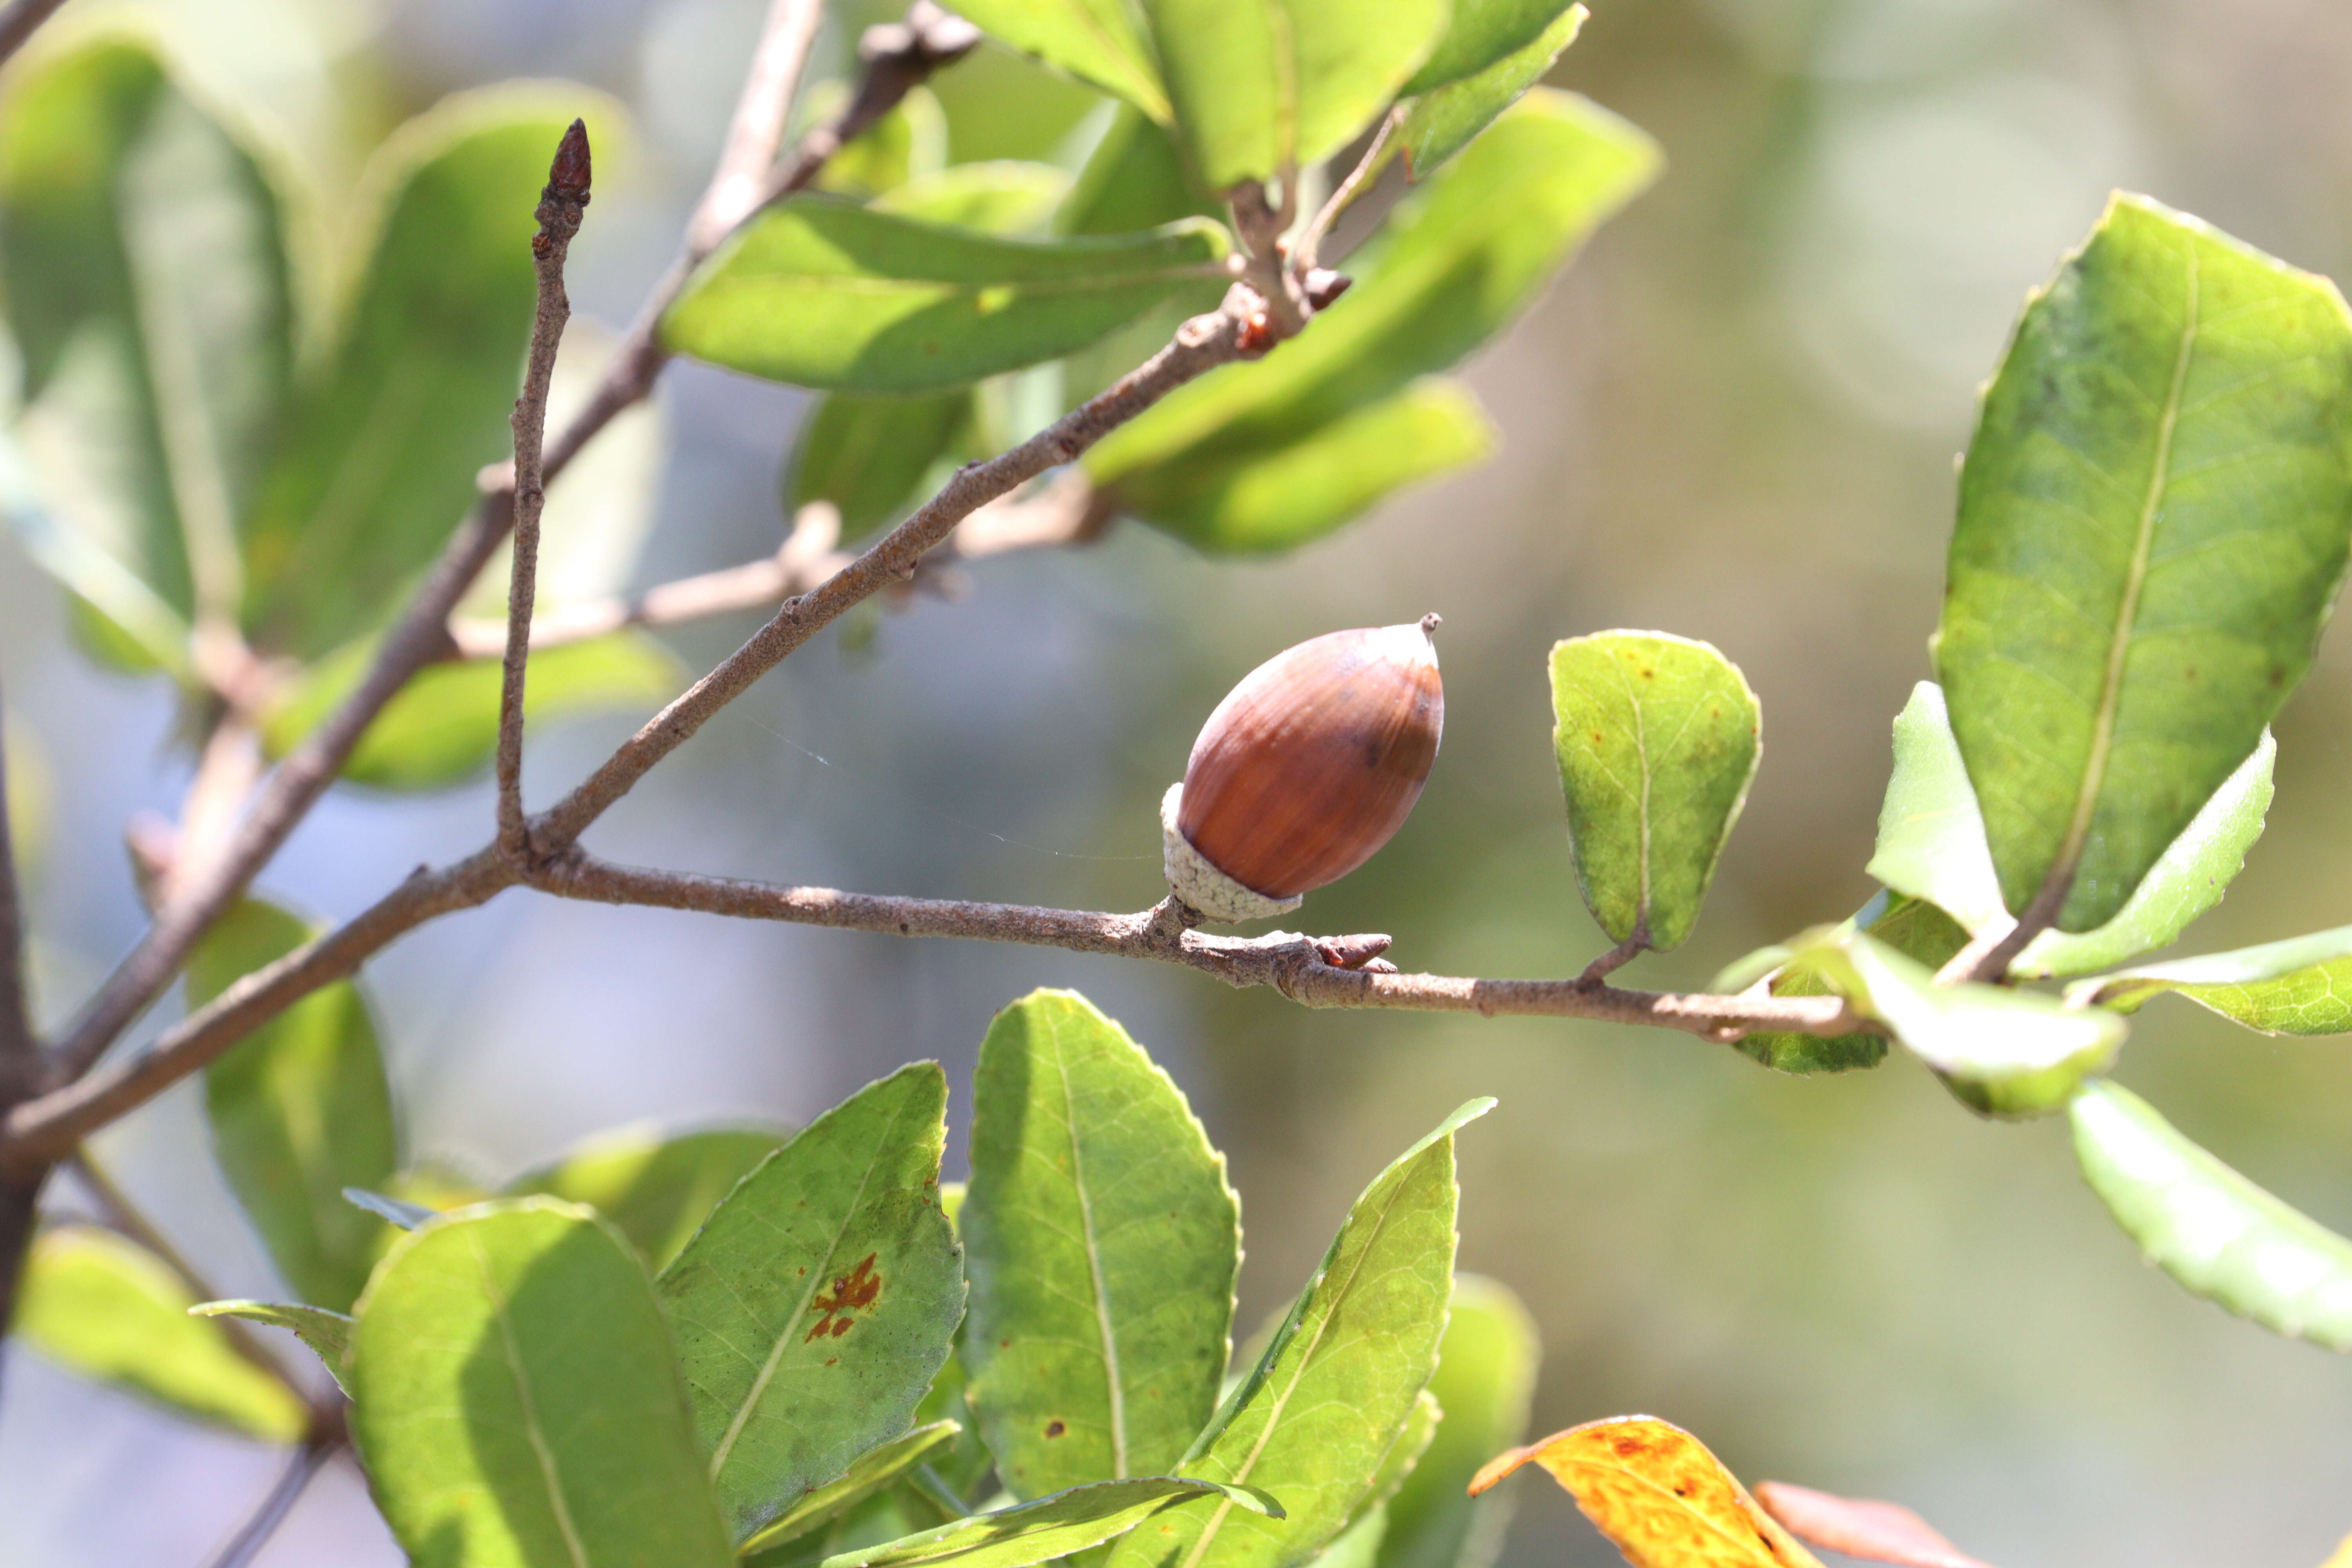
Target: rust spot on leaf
{"points": [[1055, 1428], [855, 1289]]}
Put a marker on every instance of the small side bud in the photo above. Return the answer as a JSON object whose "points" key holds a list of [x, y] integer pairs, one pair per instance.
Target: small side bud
{"points": [[1324, 287]]}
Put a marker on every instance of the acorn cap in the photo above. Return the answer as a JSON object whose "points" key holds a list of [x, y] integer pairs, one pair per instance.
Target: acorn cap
{"points": [[1306, 768]]}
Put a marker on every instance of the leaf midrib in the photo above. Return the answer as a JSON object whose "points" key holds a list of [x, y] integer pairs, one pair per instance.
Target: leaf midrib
{"points": [[550, 1474], [1118, 1396], [1243, 1473], [2061, 877], [818, 1280]]}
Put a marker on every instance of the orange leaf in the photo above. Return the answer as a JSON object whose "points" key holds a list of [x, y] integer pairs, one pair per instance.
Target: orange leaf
{"points": [[1655, 1491], [1882, 1531]]}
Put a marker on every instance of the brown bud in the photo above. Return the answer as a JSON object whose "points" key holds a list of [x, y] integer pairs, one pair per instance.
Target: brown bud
{"points": [[1305, 770], [568, 177], [1324, 287]]}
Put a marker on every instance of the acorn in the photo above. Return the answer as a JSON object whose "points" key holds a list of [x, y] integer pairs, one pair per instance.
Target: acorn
{"points": [[1304, 771]]}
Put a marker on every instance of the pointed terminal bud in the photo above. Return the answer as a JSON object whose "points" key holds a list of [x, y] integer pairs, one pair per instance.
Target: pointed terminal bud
{"points": [[1304, 771], [568, 177]]}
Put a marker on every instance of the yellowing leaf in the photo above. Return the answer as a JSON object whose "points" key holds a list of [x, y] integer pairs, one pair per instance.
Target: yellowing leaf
{"points": [[1882, 1531], [2341, 1557], [1658, 1495]]}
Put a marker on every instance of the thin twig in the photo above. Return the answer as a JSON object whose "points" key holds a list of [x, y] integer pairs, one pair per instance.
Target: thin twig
{"points": [[20, 1061], [254, 1534], [21, 20], [757, 131], [806, 559], [421, 635], [1200, 344], [226, 771], [562, 204], [1310, 244]]}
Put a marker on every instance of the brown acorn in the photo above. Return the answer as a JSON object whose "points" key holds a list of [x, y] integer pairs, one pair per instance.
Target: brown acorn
{"points": [[1305, 770]]}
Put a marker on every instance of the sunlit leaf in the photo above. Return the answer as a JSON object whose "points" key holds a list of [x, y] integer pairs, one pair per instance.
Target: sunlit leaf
{"points": [[1455, 262], [1658, 1495], [1055, 1526], [2215, 1232], [142, 255], [870, 455], [1486, 1378], [869, 1473], [299, 1109], [109, 1310], [443, 727], [1327, 1401], [1482, 33], [379, 459], [1912, 927], [1881, 1532], [1264, 87], [2299, 986], [1657, 742], [1097, 41], [1102, 1245], [329, 1335], [1931, 845], [1254, 502], [1003, 196], [908, 143], [2003, 1052], [517, 1401], [656, 1191], [1443, 123], [815, 1305], [1135, 179], [848, 298], [2341, 1557], [2155, 515]]}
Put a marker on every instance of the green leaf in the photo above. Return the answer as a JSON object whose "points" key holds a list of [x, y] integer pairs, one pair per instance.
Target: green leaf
{"points": [[1445, 122], [1262, 88], [870, 455], [443, 727], [1912, 927], [1097, 41], [849, 299], [142, 256], [1257, 502], [1486, 1378], [2155, 515], [1055, 1526], [516, 1399], [962, 1468], [1135, 179], [2299, 986], [2004, 1053], [871, 1472], [1658, 742], [329, 1335], [1484, 33], [299, 1109], [816, 1304], [1455, 261], [1004, 196], [1359, 1545], [1102, 1245], [109, 1310], [2187, 880], [1931, 845], [2217, 1233], [1334, 1390], [908, 143], [656, 1191], [378, 461]]}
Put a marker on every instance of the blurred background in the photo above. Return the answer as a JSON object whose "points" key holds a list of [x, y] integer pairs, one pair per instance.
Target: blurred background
{"points": [[1734, 419]]}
